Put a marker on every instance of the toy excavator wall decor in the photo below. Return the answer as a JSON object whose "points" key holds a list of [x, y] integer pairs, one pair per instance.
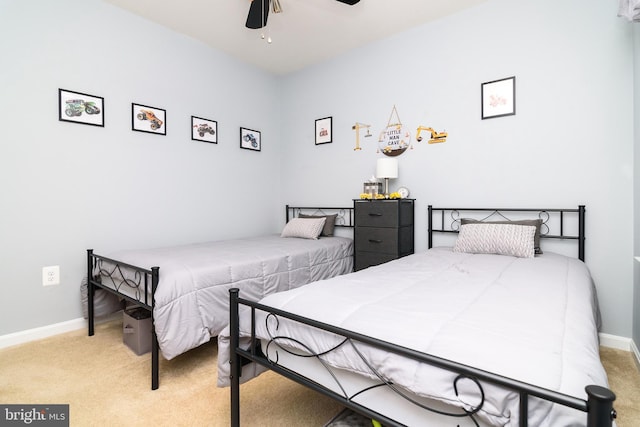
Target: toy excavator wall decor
{"points": [[435, 136]]}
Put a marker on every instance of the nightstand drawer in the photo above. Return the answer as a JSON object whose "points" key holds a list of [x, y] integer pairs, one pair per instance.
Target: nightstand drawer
{"points": [[367, 259], [377, 214], [383, 231], [381, 240]]}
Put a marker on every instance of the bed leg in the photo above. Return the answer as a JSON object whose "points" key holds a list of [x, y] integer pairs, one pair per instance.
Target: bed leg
{"points": [[90, 292], [155, 347], [155, 365], [234, 359], [600, 406]]}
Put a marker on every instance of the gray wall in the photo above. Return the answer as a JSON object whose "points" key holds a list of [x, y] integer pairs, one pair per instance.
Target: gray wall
{"points": [[141, 189], [570, 143]]}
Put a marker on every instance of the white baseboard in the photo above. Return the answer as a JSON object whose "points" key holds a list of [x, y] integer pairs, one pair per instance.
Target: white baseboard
{"points": [[615, 341], [22, 337], [606, 340]]}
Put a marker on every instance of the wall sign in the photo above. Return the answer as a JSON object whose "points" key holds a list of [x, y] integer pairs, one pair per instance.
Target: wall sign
{"points": [[395, 138]]}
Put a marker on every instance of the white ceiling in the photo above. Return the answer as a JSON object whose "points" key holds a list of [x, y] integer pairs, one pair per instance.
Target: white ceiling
{"points": [[306, 32]]}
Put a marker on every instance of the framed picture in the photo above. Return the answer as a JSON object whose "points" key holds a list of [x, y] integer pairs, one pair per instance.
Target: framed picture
{"points": [[204, 130], [498, 98], [81, 108], [250, 139], [324, 130], [148, 119]]}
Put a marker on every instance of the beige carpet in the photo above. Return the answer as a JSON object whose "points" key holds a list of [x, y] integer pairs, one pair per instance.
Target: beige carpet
{"points": [[106, 384]]}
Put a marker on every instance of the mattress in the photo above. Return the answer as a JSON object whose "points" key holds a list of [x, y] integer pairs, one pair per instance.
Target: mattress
{"points": [[530, 319], [192, 298]]}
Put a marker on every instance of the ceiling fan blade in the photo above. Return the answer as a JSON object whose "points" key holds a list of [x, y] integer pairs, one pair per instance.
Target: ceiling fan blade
{"points": [[349, 2], [258, 14]]}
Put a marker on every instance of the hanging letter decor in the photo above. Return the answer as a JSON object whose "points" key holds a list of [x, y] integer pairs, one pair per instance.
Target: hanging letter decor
{"points": [[395, 138]]}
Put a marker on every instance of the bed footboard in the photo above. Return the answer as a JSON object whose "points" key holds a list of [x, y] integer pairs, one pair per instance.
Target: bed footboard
{"points": [[134, 284], [598, 406]]}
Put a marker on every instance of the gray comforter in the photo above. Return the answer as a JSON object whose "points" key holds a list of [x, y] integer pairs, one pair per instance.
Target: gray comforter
{"points": [[531, 319], [192, 298]]}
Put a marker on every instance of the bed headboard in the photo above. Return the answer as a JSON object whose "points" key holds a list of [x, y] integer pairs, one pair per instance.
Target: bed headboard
{"points": [[344, 216], [447, 220]]}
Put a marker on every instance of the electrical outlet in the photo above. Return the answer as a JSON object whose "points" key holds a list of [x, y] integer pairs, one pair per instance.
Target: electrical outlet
{"points": [[50, 275]]}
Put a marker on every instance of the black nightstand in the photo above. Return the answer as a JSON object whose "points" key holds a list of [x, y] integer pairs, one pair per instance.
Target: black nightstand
{"points": [[383, 231]]}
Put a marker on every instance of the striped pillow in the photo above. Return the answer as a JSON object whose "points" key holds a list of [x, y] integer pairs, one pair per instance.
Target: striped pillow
{"points": [[502, 239]]}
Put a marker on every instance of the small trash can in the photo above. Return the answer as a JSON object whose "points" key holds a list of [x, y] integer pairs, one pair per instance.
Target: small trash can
{"points": [[136, 330]]}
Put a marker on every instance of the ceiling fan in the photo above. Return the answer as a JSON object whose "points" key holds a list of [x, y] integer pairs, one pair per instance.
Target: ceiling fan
{"points": [[259, 12]]}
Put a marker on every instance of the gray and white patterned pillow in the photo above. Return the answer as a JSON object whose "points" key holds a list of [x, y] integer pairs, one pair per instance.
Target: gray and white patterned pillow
{"points": [[306, 228], [329, 223], [502, 239], [535, 222]]}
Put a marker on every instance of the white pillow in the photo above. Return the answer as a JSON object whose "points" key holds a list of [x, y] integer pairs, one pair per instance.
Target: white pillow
{"points": [[306, 228], [502, 239]]}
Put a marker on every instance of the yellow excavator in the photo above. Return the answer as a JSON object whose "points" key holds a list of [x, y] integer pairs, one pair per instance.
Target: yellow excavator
{"points": [[435, 136]]}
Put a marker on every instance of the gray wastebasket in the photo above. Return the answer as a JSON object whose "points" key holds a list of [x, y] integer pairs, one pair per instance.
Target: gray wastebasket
{"points": [[136, 330]]}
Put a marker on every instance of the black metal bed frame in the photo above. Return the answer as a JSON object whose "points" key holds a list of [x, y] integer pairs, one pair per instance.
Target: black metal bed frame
{"points": [[144, 281], [545, 215], [598, 406]]}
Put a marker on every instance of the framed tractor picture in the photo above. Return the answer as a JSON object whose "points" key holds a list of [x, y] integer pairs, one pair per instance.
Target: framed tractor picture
{"points": [[148, 119], [204, 130], [80, 108]]}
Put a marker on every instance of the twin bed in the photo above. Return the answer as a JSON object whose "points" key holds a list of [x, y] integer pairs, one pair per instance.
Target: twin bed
{"points": [[489, 332], [186, 290]]}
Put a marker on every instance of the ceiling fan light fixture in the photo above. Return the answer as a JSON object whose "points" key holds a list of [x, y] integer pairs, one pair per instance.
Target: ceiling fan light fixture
{"points": [[258, 14]]}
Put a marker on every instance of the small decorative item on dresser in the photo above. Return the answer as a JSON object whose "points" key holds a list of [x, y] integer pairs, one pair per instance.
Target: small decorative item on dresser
{"points": [[372, 187], [403, 192], [387, 168]]}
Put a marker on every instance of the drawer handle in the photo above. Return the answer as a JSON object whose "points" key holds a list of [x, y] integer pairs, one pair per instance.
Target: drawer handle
{"points": [[375, 241], [375, 214]]}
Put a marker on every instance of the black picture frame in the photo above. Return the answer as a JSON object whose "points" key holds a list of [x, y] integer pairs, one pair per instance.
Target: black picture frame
{"points": [[324, 130], [148, 119], [204, 130], [498, 98], [250, 139], [82, 108]]}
